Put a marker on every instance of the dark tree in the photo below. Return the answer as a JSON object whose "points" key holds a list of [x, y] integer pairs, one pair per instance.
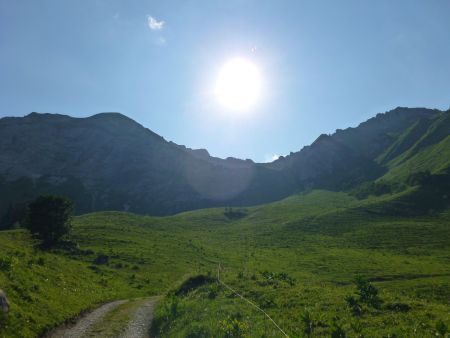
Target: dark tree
{"points": [[48, 218]]}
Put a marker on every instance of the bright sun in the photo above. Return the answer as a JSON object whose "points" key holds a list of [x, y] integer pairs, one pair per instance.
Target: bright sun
{"points": [[238, 86]]}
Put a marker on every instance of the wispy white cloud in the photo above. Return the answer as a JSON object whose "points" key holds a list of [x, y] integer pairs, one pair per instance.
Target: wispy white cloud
{"points": [[271, 158], [154, 24]]}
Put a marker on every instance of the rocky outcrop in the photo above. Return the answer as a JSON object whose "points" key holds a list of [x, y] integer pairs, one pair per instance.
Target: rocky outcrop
{"points": [[4, 303]]}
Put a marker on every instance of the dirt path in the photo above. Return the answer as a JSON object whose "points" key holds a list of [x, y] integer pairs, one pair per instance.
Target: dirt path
{"points": [[122, 318], [140, 323], [83, 324]]}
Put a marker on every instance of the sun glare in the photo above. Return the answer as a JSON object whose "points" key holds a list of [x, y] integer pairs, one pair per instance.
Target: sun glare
{"points": [[238, 85]]}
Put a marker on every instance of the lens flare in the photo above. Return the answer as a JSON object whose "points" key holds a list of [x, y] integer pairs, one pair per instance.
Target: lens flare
{"points": [[238, 85]]}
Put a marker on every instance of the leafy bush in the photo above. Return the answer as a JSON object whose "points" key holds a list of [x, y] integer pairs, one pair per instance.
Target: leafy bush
{"points": [[7, 263], [354, 306], [48, 218], [441, 329], [101, 259], [273, 278], [368, 293], [233, 327]]}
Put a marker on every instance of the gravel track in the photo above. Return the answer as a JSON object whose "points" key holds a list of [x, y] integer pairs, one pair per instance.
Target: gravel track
{"points": [[83, 324], [139, 325]]}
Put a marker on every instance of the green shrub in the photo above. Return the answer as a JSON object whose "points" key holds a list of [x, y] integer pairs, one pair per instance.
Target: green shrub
{"points": [[367, 292], [354, 306], [7, 263], [101, 259], [233, 327], [441, 329], [273, 278], [48, 218]]}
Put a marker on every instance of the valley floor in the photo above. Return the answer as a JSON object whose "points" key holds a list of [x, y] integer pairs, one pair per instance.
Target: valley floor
{"points": [[297, 259]]}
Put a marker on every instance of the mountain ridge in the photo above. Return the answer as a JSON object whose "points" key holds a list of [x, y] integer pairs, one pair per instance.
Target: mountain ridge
{"points": [[110, 162], [399, 111]]}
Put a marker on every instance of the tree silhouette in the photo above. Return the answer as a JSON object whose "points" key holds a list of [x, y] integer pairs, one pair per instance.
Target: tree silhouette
{"points": [[48, 218]]}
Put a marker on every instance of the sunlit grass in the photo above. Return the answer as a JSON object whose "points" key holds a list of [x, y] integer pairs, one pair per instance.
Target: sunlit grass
{"points": [[321, 239]]}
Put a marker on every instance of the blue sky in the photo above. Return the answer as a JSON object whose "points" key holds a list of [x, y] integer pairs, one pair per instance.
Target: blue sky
{"points": [[325, 64]]}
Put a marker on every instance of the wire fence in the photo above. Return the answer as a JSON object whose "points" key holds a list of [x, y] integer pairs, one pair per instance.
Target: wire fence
{"points": [[249, 301]]}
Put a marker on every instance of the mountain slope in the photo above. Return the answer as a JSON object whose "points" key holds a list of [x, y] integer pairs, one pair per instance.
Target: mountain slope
{"points": [[426, 147], [110, 162]]}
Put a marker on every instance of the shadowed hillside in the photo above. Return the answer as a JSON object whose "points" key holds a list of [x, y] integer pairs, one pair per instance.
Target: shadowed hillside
{"points": [[110, 162]]}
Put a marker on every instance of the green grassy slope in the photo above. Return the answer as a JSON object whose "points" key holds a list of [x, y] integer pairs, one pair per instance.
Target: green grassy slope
{"points": [[323, 246], [45, 289], [435, 159], [424, 146], [406, 140], [321, 239]]}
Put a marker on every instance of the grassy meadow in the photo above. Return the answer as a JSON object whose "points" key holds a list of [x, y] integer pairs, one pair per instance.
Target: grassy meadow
{"points": [[296, 258]]}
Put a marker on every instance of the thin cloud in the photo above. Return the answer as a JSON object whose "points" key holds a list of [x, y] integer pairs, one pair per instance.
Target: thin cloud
{"points": [[154, 24], [270, 158], [275, 157]]}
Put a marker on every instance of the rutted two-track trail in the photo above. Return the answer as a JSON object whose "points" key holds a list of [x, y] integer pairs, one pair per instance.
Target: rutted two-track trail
{"points": [[118, 319], [139, 325]]}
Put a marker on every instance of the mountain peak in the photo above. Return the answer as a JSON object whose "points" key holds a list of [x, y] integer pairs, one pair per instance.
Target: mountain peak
{"points": [[110, 115], [46, 116], [104, 116]]}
